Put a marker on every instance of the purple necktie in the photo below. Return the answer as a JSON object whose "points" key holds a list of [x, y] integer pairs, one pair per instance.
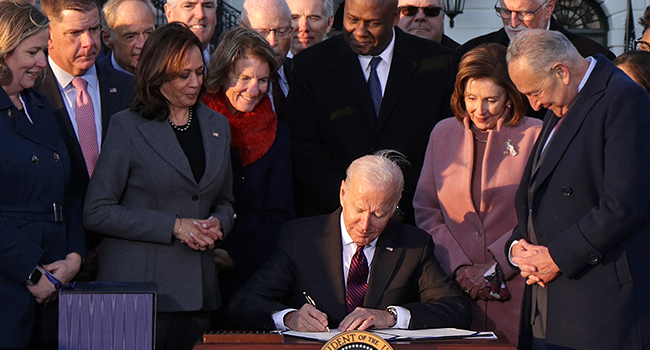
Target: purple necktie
{"points": [[85, 117], [357, 280]]}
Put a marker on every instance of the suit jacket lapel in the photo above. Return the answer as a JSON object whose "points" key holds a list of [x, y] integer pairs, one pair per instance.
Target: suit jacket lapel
{"points": [[584, 102], [330, 252], [401, 70], [158, 134], [383, 267], [41, 131], [109, 95], [211, 140], [346, 64]]}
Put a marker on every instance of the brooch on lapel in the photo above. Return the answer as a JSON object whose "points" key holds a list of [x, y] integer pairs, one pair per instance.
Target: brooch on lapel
{"points": [[510, 149]]}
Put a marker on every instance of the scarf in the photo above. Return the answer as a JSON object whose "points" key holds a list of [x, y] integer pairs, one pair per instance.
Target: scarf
{"points": [[253, 133]]}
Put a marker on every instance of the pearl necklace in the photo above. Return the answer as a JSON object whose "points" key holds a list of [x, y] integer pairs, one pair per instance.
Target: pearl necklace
{"points": [[476, 137], [186, 126]]}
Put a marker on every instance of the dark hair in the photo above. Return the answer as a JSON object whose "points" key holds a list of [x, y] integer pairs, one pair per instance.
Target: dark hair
{"points": [[53, 8], [638, 65], [645, 20], [163, 59], [235, 44], [487, 61]]}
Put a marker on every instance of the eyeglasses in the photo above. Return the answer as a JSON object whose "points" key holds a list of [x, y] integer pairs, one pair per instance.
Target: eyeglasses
{"points": [[522, 15], [641, 45], [281, 33], [410, 11]]}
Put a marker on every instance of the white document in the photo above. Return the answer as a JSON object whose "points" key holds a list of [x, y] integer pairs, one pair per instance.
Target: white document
{"points": [[402, 334]]}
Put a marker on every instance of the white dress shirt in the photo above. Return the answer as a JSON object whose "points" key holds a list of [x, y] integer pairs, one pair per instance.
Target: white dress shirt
{"points": [[117, 66], [69, 95], [383, 68]]}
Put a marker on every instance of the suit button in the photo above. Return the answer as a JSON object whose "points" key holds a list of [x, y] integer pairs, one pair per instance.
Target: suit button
{"points": [[56, 157], [10, 113], [243, 179], [594, 258], [195, 197], [35, 159], [479, 233], [566, 191]]}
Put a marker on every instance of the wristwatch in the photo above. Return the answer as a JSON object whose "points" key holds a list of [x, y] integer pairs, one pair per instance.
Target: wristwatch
{"points": [[393, 311], [34, 277]]}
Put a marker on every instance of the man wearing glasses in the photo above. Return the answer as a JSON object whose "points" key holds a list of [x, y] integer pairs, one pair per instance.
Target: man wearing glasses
{"points": [[272, 19], [425, 18], [519, 15]]}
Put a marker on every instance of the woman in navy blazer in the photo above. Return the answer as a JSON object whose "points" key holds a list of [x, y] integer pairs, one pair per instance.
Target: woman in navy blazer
{"points": [[238, 82], [162, 188], [40, 222]]}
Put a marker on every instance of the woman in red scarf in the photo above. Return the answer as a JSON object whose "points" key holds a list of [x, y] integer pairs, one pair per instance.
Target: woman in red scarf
{"points": [[238, 82]]}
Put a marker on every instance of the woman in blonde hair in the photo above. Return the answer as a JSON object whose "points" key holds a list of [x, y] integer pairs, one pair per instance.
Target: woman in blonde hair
{"points": [[465, 194], [40, 222]]}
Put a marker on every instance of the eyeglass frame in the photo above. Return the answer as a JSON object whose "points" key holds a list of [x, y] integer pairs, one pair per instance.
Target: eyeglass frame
{"points": [[520, 14], [639, 42], [265, 32], [439, 9]]}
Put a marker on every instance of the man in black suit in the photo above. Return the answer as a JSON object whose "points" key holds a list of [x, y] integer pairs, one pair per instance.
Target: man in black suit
{"points": [[361, 268], [126, 25], [519, 15], [335, 118], [583, 235], [72, 51], [426, 19]]}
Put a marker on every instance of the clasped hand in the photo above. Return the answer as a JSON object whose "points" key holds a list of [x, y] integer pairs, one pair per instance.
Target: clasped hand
{"points": [[198, 234], [470, 278], [63, 270], [310, 319], [535, 263]]}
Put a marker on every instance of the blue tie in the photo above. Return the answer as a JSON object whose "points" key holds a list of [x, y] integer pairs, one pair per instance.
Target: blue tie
{"points": [[373, 83]]}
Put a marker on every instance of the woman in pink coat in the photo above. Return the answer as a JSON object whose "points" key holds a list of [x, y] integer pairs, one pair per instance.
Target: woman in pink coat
{"points": [[465, 195]]}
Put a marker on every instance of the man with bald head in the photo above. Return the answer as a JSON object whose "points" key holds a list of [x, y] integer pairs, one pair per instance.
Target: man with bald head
{"points": [[373, 272], [583, 235], [311, 20], [372, 87], [126, 25], [519, 15], [199, 15], [425, 18]]}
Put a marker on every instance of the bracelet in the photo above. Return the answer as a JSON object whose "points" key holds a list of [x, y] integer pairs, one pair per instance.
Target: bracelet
{"points": [[180, 227]]}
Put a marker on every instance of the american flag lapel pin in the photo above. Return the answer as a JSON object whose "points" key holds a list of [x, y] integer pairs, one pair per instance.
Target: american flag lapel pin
{"points": [[215, 134], [112, 90], [390, 249]]}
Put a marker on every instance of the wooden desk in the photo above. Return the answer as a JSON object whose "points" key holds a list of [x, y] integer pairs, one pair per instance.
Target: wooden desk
{"points": [[291, 343]]}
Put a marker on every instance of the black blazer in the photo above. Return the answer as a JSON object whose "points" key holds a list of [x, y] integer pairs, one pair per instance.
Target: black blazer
{"points": [[589, 204], [116, 93], [309, 258], [333, 121]]}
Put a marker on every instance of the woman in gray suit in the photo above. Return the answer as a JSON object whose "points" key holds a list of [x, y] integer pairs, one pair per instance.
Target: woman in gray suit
{"points": [[162, 188]]}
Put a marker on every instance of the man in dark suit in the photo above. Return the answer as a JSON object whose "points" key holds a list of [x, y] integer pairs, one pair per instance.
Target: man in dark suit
{"points": [[126, 25], [519, 15], [583, 235], [426, 19], [341, 108], [106, 91], [361, 268]]}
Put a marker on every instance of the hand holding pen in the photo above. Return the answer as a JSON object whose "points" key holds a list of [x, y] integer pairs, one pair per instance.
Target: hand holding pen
{"points": [[308, 318]]}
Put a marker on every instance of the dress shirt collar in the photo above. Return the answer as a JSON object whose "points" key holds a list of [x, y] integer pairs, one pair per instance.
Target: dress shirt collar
{"points": [[64, 78], [117, 66], [592, 65]]}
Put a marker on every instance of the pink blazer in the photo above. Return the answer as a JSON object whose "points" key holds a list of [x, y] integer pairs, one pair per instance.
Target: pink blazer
{"points": [[445, 209]]}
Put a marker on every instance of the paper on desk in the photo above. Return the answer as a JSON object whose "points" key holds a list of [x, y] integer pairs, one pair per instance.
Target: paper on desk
{"points": [[401, 334]]}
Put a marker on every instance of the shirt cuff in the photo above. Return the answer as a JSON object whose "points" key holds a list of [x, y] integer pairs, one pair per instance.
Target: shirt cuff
{"points": [[278, 319], [510, 252], [403, 318]]}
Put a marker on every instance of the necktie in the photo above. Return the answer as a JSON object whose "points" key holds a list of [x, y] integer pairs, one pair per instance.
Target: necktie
{"points": [[373, 83], [357, 280], [85, 117]]}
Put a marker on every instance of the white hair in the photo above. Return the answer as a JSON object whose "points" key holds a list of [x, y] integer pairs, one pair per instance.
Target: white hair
{"points": [[382, 169], [541, 49]]}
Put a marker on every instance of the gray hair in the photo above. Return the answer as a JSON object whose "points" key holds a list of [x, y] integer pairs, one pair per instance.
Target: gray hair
{"points": [[328, 9], [108, 13], [541, 49], [265, 7], [172, 3], [381, 168]]}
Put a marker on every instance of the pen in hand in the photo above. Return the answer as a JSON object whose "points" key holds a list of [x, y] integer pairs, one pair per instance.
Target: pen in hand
{"points": [[311, 302]]}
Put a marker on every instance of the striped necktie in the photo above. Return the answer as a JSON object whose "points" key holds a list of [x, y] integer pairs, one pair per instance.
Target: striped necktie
{"points": [[357, 284]]}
